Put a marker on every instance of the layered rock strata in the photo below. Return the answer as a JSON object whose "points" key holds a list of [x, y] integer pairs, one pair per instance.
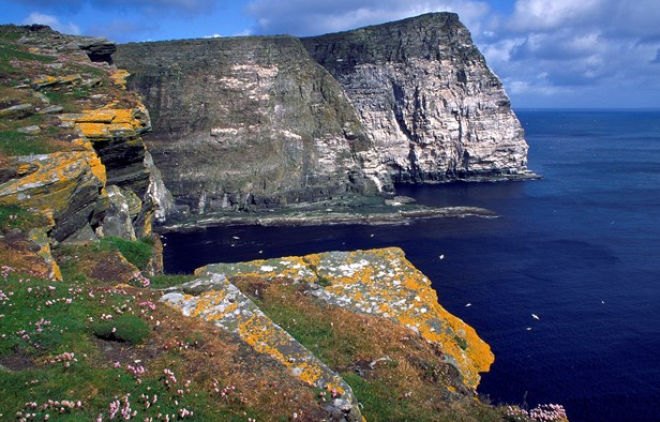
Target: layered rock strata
{"points": [[254, 123], [89, 129], [380, 282], [424, 93], [249, 124]]}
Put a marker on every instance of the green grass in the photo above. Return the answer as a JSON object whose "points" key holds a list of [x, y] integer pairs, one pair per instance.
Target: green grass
{"points": [[15, 217], [14, 143], [68, 99], [10, 52], [137, 252], [169, 280], [39, 326], [126, 328]]}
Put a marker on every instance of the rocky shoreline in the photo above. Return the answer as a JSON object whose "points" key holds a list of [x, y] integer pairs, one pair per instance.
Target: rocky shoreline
{"points": [[391, 215]]}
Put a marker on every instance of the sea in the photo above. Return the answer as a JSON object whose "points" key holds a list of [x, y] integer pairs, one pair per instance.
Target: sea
{"points": [[579, 249]]}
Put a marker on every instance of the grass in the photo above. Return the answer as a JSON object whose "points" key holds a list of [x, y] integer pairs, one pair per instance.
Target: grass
{"points": [[15, 217], [137, 252], [170, 280], [125, 328], [49, 348], [10, 51], [13, 143]]}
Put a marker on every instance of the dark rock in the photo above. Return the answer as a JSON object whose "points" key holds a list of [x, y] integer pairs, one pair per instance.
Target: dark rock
{"points": [[83, 235], [98, 49], [247, 123]]}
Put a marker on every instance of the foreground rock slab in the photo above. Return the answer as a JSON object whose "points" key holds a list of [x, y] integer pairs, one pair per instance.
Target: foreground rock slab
{"points": [[379, 282]]}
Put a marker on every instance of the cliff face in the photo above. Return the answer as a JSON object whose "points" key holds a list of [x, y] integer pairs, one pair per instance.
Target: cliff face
{"points": [[255, 123], [71, 138], [248, 123], [428, 99]]}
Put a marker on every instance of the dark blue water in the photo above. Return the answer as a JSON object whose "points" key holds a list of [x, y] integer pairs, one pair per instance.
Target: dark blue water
{"points": [[580, 249]]}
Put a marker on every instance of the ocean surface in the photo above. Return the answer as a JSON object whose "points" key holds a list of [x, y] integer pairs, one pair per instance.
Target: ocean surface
{"points": [[580, 249]]}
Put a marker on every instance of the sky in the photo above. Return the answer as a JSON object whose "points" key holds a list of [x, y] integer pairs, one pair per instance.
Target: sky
{"points": [[548, 53]]}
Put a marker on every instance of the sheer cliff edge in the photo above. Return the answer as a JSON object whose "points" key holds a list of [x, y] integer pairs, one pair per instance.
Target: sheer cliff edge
{"points": [[268, 123]]}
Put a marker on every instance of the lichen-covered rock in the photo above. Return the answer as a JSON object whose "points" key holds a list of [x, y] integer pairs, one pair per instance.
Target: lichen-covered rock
{"points": [[426, 96], [68, 184], [249, 123], [89, 128], [214, 299], [380, 282]]}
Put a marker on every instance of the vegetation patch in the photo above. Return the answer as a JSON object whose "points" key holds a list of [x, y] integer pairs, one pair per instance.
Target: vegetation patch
{"points": [[395, 374], [126, 328], [137, 252], [15, 217]]}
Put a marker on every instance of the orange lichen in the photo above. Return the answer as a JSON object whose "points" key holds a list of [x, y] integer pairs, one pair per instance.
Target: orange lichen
{"points": [[383, 282], [380, 282], [56, 178], [40, 237]]}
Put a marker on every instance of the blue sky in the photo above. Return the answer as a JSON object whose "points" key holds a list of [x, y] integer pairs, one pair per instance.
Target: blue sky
{"points": [[548, 53]]}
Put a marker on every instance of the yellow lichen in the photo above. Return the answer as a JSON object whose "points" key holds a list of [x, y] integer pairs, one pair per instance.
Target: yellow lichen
{"points": [[119, 77]]}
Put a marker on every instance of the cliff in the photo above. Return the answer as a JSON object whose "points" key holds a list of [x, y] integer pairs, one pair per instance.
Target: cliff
{"points": [[255, 123], [338, 336], [71, 145], [248, 123], [424, 93]]}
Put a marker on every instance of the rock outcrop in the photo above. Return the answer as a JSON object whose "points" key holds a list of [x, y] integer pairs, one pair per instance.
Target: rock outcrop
{"points": [[248, 123], [424, 93], [74, 135], [380, 282]]}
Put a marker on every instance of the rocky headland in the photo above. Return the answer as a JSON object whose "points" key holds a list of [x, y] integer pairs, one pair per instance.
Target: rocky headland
{"points": [[432, 107], [271, 123]]}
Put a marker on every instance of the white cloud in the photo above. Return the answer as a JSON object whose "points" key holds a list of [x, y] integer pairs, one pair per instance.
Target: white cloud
{"points": [[544, 15], [53, 22], [302, 17], [244, 33]]}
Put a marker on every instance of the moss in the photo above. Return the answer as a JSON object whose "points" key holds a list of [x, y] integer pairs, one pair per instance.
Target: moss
{"points": [[126, 328], [169, 280], [14, 143], [137, 252]]}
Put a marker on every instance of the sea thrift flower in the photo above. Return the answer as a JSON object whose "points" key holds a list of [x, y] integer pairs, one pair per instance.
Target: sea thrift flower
{"points": [[149, 304]]}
